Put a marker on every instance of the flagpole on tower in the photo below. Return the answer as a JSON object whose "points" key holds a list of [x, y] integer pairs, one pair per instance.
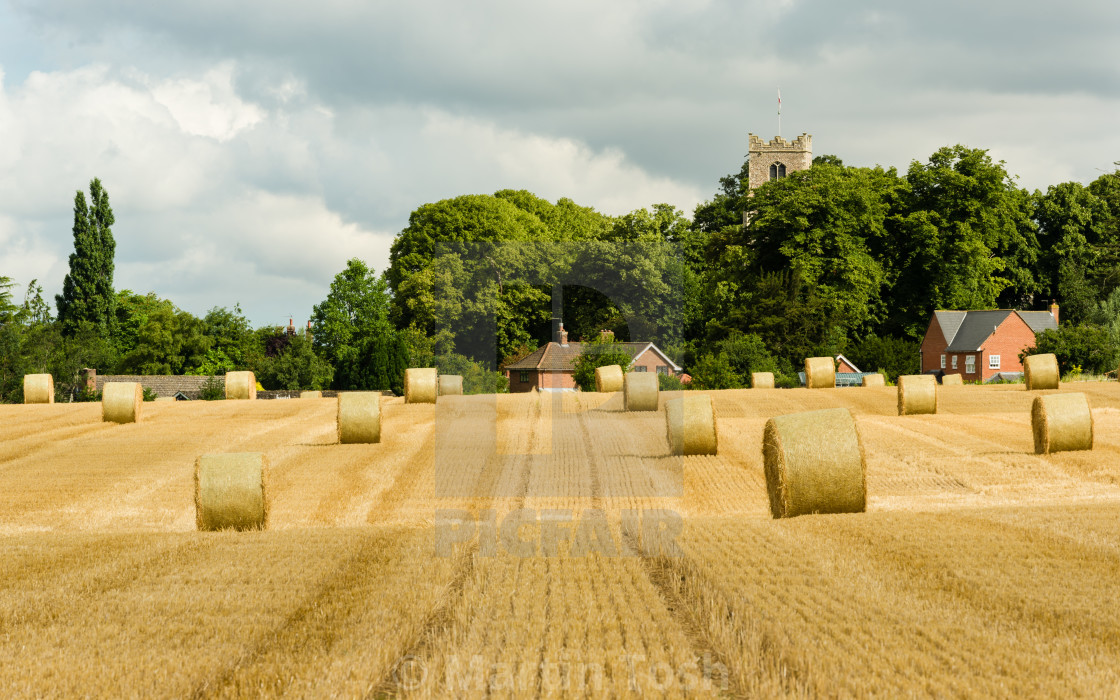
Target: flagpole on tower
{"points": [[779, 112]]}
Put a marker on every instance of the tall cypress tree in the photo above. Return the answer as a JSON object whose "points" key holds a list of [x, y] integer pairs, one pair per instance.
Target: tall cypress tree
{"points": [[87, 292]]}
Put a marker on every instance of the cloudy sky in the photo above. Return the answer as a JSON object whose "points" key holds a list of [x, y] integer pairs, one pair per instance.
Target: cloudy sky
{"points": [[249, 152]]}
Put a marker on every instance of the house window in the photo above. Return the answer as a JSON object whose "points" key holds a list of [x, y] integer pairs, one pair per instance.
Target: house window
{"points": [[662, 369], [777, 170], [954, 361], [640, 368], [993, 361], [970, 364], [942, 360], [524, 376]]}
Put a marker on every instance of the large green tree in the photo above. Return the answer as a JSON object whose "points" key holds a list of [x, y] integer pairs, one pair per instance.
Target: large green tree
{"points": [[354, 315], [962, 239], [87, 291]]}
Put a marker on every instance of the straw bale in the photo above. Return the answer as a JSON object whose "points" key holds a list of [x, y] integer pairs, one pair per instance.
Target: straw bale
{"points": [[359, 417], [450, 385], [640, 391], [38, 388], [691, 425], [241, 385], [814, 464], [164, 399], [952, 380], [231, 491], [917, 394], [420, 385], [1041, 372], [820, 372], [311, 394], [1061, 423], [762, 380], [121, 402], [608, 378], [873, 380]]}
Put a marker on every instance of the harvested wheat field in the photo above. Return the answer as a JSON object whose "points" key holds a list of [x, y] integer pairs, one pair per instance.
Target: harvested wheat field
{"points": [[548, 545]]}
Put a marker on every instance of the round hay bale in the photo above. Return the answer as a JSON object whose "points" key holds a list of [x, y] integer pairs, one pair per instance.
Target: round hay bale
{"points": [[311, 394], [1041, 372], [640, 391], [762, 380], [917, 394], [814, 464], [820, 373], [359, 417], [873, 380], [241, 385], [121, 402], [952, 380], [1061, 423], [231, 491], [608, 378], [450, 385], [420, 385], [38, 388], [691, 425]]}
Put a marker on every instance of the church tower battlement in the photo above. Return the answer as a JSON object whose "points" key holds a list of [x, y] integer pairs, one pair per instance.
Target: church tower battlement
{"points": [[772, 160]]}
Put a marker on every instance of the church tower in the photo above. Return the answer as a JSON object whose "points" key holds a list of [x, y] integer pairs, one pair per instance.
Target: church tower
{"points": [[776, 159]]}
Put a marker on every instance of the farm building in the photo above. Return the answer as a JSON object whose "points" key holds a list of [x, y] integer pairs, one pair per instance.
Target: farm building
{"points": [[979, 345], [847, 374], [551, 366], [181, 387]]}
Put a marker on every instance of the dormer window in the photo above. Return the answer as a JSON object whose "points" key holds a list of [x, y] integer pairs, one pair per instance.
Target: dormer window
{"points": [[777, 170]]}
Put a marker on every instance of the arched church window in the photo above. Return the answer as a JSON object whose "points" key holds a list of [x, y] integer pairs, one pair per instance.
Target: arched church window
{"points": [[773, 171]]}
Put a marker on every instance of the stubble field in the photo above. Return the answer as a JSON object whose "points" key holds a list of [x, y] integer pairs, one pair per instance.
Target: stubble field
{"points": [[980, 569]]}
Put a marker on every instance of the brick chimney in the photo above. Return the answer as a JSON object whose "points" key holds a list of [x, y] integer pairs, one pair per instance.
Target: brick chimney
{"points": [[563, 336], [1054, 311]]}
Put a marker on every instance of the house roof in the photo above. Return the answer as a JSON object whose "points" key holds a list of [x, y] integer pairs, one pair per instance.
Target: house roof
{"points": [[841, 358], [162, 384], [1039, 320], [950, 322], [966, 331], [556, 357]]}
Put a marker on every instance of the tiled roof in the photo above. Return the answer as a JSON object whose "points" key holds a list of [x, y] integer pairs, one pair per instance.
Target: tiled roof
{"points": [[950, 322], [966, 331], [976, 328], [1038, 320], [557, 357], [162, 384]]}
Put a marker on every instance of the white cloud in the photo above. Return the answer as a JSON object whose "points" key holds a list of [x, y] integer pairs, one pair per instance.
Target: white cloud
{"points": [[220, 200], [209, 106]]}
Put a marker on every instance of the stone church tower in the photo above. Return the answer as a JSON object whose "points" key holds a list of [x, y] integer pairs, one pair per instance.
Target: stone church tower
{"points": [[778, 158]]}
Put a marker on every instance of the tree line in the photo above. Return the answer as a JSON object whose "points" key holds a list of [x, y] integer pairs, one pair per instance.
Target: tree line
{"points": [[833, 259]]}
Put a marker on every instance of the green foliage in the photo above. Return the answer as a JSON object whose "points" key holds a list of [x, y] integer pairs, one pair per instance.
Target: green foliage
{"points": [[354, 314], [1088, 346], [149, 394], [233, 344], [888, 355], [669, 382], [596, 353], [213, 390], [87, 291], [294, 366], [382, 362], [157, 338], [477, 379], [714, 370]]}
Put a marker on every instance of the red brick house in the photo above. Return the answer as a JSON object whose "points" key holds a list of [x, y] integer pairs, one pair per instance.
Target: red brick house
{"points": [[978, 345], [550, 367]]}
